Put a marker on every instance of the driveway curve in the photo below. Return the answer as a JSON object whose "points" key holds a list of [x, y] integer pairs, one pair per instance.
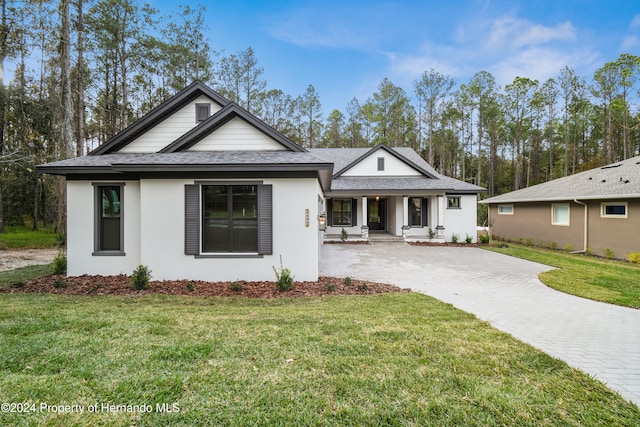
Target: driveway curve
{"points": [[600, 339]]}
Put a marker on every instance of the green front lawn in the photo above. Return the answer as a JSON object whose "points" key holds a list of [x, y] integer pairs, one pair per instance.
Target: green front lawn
{"points": [[23, 237], [393, 359], [611, 281]]}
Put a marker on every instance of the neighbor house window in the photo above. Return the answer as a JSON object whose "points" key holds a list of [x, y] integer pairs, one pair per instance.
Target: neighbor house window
{"points": [[202, 112], [416, 211], [380, 163], [453, 202], [613, 210], [229, 218], [505, 209], [109, 227], [560, 214], [342, 211], [225, 219]]}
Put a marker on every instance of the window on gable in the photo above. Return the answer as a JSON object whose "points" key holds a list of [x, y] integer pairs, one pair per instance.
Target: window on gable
{"points": [[380, 163], [202, 112], [224, 219], [505, 209], [109, 226], [453, 202], [560, 214], [613, 210]]}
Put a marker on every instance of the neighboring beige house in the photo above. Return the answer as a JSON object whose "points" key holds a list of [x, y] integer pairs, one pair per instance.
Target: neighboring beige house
{"points": [[597, 209], [201, 189]]}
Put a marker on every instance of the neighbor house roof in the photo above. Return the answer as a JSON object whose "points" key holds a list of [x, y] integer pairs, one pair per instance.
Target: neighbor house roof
{"points": [[615, 181]]}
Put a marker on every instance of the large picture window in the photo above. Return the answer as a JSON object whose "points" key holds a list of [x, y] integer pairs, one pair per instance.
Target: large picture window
{"points": [[229, 218], [341, 212], [109, 230], [224, 219]]}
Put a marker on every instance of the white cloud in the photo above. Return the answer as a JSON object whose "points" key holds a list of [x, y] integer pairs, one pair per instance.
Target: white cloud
{"points": [[630, 43], [635, 22], [516, 33]]}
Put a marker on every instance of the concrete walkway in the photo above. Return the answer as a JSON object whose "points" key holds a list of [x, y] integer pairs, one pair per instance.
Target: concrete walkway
{"points": [[600, 339]]}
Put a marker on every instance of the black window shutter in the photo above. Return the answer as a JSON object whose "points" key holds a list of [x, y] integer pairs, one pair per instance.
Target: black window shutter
{"points": [[192, 219], [354, 212], [329, 212], [265, 219], [425, 216]]}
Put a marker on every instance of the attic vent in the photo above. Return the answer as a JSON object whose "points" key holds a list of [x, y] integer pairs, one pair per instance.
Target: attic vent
{"points": [[626, 181], [611, 166], [590, 178], [202, 112], [604, 180]]}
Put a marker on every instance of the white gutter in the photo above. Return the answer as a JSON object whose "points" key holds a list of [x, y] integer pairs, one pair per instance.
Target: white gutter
{"points": [[586, 228]]}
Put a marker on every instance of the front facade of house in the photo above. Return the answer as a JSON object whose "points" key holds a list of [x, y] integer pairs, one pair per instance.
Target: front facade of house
{"points": [[597, 209], [200, 189]]}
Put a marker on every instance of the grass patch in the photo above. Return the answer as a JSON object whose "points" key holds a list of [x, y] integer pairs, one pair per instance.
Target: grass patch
{"points": [[393, 359], [22, 274], [22, 237], [598, 279]]}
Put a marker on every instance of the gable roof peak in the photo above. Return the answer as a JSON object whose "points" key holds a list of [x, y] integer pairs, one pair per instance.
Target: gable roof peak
{"points": [[393, 152], [159, 113]]}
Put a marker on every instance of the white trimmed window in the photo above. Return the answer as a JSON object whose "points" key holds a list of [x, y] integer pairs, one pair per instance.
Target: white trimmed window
{"points": [[505, 209], [560, 214], [613, 210]]}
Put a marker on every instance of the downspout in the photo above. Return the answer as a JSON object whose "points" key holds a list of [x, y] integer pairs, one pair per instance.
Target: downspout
{"points": [[586, 228]]}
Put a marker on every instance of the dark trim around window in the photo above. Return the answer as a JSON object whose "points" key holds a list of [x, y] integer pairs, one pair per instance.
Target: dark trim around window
{"points": [[454, 202], [344, 205], [108, 228], [203, 111], [195, 218], [421, 211]]}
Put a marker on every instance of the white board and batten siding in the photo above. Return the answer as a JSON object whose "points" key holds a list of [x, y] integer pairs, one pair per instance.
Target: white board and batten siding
{"points": [[170, 129], [392, 166], [237, 135]]}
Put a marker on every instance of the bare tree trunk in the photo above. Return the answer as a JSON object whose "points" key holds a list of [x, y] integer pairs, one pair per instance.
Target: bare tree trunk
{"points": [[3, 54], [80, 88], [66, 139]]}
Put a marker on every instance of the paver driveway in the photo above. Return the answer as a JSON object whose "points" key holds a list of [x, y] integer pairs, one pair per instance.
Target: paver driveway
{"points": [[600, 339]]}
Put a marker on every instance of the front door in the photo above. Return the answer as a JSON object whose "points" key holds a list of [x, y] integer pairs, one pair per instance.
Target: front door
{"points": [[377, 213]]}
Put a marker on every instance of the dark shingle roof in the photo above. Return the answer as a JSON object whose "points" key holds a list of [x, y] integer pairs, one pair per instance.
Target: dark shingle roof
{"points": [[614, 181]]}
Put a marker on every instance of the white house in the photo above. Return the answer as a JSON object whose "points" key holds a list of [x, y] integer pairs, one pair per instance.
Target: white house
{"points": [[201, 189]]}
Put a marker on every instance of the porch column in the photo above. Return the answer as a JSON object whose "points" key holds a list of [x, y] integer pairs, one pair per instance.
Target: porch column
{"points": [[405, 216], [365, 227], [440, 227]]}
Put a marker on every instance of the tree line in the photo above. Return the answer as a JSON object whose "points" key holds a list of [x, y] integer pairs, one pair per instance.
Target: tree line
{"points": [[84, 70]]}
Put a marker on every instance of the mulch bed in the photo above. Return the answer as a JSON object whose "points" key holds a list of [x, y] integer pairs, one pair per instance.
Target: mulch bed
{"points": [[120, 285]]}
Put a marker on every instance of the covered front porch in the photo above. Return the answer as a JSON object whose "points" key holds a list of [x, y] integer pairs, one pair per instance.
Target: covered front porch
{"points": [[413, 217]]}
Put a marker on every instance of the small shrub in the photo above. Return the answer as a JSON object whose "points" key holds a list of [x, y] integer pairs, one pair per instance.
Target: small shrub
{"points": [[540, 244], [362, 287], [588, 251], [432, 233], [528, 241], [634, 257], [568, 247], [608, 253], [553, 245], [344, 236], [330, 287], [60, 264], [454, 238], [190, 286], [484, 238], [520, 241], [284, 279], [468, 239], [237, 286], [347, 281], [59, 283], [140, 277]]}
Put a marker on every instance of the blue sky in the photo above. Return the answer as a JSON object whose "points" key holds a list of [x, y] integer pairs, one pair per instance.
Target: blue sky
{"points": [[345, 48]]}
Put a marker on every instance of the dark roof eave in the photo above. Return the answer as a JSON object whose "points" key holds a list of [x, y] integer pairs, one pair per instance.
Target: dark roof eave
{"points": [[250, 167], [75, 170]]}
